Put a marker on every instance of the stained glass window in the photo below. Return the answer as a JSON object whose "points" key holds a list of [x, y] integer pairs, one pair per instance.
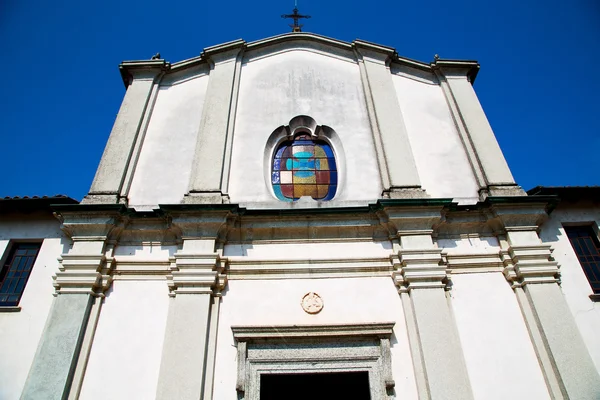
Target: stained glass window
{"points": [[304, 167]]}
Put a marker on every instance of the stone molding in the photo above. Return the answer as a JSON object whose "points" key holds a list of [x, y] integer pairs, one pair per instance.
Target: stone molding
{"points": [[256, 332], [374, 51], [420, 269], [530, 264], [196, 274]]}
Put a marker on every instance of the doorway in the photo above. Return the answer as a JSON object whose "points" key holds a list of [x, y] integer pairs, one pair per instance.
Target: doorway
{"points": [[315, 386]]}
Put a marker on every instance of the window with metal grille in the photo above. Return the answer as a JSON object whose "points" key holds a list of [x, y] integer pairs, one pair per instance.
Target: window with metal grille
{"points": [[585, 243], [16, 270]]}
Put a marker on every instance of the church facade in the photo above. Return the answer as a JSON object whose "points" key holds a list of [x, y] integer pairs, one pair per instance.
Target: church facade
{"points": [[300, 213]]}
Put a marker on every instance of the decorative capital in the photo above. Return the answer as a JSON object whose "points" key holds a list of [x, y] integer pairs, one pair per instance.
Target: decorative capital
{"points": [[197, 274], [530, 264], [420, 269], [83, 274]]}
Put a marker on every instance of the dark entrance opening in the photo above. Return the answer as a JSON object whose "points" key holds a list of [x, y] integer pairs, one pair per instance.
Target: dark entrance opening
{"points": [[321, 386]]}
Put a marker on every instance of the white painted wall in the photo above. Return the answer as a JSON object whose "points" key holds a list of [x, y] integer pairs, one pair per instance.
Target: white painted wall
{"points": [[277, 302], [500, 358], [20, 332], [275, 89], [125, 358], [164, 167], [574, 283], [440, 157]]}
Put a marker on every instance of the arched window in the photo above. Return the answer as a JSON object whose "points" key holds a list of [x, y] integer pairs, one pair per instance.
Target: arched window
{"points": [[304, 167]]}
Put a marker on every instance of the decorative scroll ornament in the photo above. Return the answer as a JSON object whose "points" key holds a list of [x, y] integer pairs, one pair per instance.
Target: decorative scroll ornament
{"points": [[312, 303]]}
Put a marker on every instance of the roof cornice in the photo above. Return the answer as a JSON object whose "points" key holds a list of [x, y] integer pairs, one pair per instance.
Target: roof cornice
{"points": [[468, 68]]}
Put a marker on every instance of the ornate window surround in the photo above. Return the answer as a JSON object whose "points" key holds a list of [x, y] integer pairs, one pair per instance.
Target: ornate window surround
{"points": [[304, 124], [289, 349]]}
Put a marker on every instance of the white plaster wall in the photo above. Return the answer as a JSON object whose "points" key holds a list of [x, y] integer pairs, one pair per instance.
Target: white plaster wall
{"points": [[277, 302], [440, 157], [20, 332], [275, 89], [500, 358], [290, 251], [125, 357], [164, 167], [574, 283]]}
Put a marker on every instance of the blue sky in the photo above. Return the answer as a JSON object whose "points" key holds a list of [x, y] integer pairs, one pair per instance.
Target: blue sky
{"points": [[62, 88]]}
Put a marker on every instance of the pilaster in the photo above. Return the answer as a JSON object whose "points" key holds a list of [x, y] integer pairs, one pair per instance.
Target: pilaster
{"points": [[197, 276], [83, 276], [564, 359], [486, 158], [139, 78], [395, 157], [421, 278], [208, 185]]}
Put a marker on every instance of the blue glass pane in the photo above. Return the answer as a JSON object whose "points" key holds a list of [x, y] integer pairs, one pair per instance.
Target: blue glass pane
{"points": [[328, 150], [331, 193], [333, 176], [275, 177]]}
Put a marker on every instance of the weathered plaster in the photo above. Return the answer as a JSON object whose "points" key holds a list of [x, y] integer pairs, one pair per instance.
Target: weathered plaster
{"points": [[298, 82]]}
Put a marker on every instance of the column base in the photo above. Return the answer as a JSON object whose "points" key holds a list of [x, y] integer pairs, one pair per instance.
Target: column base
{"points": [[205, 198], [405, 193], [103, 198], [501, 191]]}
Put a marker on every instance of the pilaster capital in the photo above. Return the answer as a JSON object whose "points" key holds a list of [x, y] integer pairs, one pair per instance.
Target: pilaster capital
{"points": [[420, 269], [530, 264], [197, 274], [83, 273]]}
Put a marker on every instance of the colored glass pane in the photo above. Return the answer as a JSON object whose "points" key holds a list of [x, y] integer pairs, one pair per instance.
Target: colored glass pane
{"points": [[304, 167]]}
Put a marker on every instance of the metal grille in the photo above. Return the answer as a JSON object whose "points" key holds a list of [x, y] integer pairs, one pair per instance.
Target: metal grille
{"points": [[586, 246], [16, 271]]}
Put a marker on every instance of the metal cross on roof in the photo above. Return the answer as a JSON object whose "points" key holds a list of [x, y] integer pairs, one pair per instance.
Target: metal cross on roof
{"points": [[295, 16]]}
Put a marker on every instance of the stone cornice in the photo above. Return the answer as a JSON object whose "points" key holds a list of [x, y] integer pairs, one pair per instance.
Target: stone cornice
{"points": [[383, 220], [373, 51], [367, 329]]}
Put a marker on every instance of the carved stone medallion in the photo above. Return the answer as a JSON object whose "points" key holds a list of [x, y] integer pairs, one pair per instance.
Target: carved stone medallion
{"points": [[312, 303]]}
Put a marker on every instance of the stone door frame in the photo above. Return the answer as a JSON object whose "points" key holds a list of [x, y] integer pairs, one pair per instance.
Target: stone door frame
{"points": [[292, 349]]}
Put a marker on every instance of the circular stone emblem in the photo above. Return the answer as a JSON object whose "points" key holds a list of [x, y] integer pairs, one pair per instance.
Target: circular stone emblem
{"points": [[312, 303]]}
